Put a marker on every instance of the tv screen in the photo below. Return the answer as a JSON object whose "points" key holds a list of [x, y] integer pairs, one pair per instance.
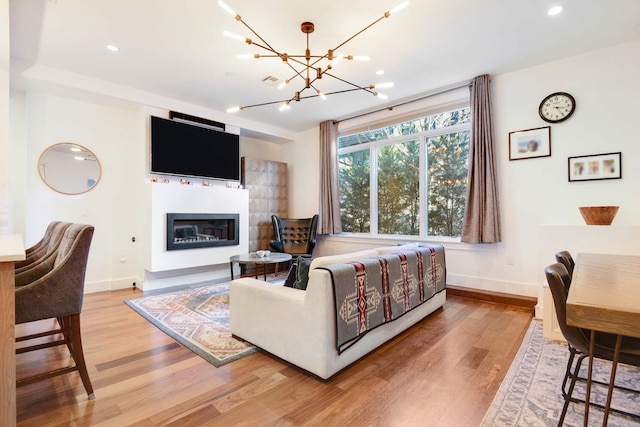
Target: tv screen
{"points": [[183, 149]]}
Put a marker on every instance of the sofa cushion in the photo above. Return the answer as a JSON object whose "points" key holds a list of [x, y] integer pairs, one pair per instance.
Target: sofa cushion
{"points": [[302, 273], [291, 277], [333, 259], [397, 248]]}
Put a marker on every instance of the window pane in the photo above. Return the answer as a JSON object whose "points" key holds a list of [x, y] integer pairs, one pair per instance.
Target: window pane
{"points": [[447, 177], [410, 127], [353, 171], [399, 188], [450, 118]]}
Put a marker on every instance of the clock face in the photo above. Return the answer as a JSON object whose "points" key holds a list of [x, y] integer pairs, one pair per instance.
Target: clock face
{"points": [[557, 107]]}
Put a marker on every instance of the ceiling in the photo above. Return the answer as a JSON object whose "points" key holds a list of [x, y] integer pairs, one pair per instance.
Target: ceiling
{"points": [[176, 49]]}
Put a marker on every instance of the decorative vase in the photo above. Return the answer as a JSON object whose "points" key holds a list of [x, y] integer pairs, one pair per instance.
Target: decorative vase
{"points": [[598, 215]]}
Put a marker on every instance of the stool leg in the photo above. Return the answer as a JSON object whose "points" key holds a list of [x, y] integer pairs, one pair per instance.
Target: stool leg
{"points": [[78, 354]]}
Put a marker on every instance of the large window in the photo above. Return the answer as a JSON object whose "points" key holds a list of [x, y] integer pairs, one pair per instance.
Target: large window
{"points": [[406, 179]]}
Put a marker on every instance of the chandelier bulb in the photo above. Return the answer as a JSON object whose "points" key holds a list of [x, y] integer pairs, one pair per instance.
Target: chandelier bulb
{"points": [[233, 35], [227, 8], [381, 85], [398, 8]]}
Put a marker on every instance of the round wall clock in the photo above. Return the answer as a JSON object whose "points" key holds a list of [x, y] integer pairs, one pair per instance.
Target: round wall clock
{"points": [[557, 107]]}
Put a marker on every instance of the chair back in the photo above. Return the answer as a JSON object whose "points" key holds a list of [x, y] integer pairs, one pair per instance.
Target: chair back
{"points": [[565, 258], [47, 246], [559, 282], [44, 240], [294, 236], [58, 291]]}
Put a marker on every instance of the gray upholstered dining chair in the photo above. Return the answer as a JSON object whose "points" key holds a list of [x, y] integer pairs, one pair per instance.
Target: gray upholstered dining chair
{"points": [[579, 341], [44, 248], [55, 290], [43, 241]]}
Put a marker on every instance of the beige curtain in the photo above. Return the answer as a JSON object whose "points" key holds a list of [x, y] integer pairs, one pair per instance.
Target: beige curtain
{"points": [[329, 216], [482, 211]]}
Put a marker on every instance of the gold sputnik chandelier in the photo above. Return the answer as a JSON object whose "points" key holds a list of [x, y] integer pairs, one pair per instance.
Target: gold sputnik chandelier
{"points": [[307, 67]]}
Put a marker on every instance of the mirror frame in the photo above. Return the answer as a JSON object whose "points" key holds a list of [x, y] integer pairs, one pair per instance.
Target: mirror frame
{"points": [[57, 190]]}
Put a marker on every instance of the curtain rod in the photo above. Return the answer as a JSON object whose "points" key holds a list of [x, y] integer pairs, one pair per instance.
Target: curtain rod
{"points": [[425, 96]]}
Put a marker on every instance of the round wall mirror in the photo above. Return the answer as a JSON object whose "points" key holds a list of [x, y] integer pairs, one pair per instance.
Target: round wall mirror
{"points": [[69, 168]]}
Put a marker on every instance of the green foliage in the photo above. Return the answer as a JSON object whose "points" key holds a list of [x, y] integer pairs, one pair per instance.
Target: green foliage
{"points": [[353, 171], [399, 188], [447, 188], [398, 177]]}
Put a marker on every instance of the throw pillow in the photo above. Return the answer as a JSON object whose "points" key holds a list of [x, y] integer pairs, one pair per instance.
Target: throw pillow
{"points": [[291, 277], [302, 274]]}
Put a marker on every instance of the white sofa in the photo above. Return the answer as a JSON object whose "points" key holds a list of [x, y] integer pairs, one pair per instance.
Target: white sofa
{"points": [[300, 326]]}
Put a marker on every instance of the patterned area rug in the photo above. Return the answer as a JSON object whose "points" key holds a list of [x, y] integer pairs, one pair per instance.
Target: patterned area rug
{"points": [[530, 394], [197, 318]]}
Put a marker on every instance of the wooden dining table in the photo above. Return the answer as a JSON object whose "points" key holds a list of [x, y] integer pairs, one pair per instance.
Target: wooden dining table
{"points": [[11, 250], [605, 297]]}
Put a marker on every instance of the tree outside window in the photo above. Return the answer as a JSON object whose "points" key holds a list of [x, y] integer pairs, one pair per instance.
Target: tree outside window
{"points": [[380, 177]]}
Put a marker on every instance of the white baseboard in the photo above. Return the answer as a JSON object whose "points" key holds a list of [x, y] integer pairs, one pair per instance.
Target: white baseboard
{"points": [[480, 283], [151, 284], [110, 285]]}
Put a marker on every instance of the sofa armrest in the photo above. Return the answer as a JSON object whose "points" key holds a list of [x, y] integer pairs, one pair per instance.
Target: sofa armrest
{"points": [[295, 325]]}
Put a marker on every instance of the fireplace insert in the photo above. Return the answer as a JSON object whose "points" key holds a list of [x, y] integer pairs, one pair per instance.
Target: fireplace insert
{"points": [[201, 230]]}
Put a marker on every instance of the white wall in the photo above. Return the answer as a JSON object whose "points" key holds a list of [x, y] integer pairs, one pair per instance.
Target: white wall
{"points": [[533, 192], [606, 85], [113, 135], [4, 117], [122, 205]]}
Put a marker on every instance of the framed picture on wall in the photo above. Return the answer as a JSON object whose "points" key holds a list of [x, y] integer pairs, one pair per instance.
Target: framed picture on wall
{"points": [[595, 167], [530, 143]]}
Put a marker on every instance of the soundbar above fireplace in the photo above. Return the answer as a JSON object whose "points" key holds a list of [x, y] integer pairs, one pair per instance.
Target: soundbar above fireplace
{"points": [[201, 230]]}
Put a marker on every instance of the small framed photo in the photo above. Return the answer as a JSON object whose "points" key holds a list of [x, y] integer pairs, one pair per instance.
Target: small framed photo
{"points": [[595, 166], [530, 143]]}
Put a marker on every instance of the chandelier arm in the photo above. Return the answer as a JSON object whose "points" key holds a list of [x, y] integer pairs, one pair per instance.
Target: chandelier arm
{"points": [[360, 32], [238, 18], [244, 107], [352, 84], [277, 54]]}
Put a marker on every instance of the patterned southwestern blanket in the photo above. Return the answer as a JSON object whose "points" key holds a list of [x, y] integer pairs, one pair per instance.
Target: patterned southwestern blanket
{"points": [[373, 291]]}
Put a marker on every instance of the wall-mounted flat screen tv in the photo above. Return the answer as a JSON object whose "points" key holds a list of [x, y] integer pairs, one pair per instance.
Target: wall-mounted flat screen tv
{"points": [[183, 149]]}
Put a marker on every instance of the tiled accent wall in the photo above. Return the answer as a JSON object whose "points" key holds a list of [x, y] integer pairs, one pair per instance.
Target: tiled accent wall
{"points": [[267, 184]]}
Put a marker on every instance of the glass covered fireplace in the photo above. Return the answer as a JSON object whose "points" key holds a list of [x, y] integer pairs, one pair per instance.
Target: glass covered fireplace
{"points": [[189, 230]]}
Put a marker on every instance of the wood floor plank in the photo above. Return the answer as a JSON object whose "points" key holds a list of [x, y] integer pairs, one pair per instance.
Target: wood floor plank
{"points": [[443, 371]]}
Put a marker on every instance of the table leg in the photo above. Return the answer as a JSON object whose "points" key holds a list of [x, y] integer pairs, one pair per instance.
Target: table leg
{"points": [[231, 267], [275, 274], [616, 357], [7, 345], [264, 271], [588, 393]]}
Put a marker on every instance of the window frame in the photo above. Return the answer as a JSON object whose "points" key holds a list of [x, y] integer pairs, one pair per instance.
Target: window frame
{"points": [[422, 138]]}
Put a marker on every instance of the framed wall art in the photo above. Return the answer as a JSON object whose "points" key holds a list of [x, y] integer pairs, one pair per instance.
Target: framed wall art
{"points": [[595, 166], [530, 143]]}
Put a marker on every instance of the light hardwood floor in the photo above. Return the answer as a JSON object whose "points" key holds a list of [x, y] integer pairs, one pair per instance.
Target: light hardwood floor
{"points": [[444, 371]]}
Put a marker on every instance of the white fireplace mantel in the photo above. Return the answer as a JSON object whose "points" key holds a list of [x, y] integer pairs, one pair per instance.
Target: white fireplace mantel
{"points": [[174, 197]]}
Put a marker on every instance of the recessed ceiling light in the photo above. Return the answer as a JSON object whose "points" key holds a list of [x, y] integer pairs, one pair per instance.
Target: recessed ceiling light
{"points": [[555, 10], [380, 72], [112, 48]]}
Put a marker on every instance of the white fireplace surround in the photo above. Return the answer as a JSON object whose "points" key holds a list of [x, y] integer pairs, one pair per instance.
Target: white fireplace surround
{"points": [[205, 263]]}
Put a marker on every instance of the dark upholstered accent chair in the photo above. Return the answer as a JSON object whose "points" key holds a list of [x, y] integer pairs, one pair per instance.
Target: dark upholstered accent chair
{"points": [[565, 258], [296, 237], [579, 340], [55, 290], [44, 248]]}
